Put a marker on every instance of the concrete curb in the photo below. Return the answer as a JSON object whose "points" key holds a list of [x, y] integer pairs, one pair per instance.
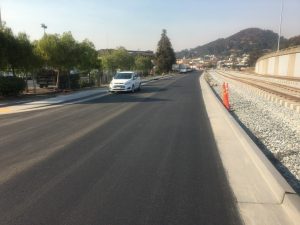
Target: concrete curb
{"points": [[262, 194]]}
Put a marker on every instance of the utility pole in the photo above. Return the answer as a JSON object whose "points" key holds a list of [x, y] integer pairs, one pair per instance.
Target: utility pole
{"points": [[0, 20], [280, 24], [44, 27]]}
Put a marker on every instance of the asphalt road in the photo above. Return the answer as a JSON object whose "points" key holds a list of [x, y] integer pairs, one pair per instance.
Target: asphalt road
{"points": [[123, 159]]}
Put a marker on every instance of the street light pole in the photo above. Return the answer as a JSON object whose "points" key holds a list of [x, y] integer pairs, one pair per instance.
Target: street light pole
{"points": [[279, 34], [44, 27], [0, 19]]}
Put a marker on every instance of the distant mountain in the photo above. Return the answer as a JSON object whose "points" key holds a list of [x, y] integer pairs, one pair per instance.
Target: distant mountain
{"points": [[251, 40]]}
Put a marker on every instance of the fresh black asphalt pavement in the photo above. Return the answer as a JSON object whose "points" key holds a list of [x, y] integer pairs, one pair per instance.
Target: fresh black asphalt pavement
{"points": [[145, 158]]}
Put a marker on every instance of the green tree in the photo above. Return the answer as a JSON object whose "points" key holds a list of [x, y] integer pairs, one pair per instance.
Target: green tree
{"points": [[108, 62], [25, 55], [26, 60], [15, 51], [3, 48], [47, 49], [89, 61], [67, 57], [254, 55], [123, 59], [9, 48], [143, 64], [59, 52], [165, 55], [88, 56], [118, 59], [294, 41]]}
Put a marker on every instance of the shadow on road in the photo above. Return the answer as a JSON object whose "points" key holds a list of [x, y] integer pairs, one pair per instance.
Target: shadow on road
{"points": [[121, 97], [139, 96]]}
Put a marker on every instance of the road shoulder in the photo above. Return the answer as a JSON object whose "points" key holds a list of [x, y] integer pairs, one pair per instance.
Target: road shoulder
{"points": [[263, 196]]}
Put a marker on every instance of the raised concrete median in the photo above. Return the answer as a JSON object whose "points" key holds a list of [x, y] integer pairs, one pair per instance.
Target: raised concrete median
{"points": [[263, 196]]}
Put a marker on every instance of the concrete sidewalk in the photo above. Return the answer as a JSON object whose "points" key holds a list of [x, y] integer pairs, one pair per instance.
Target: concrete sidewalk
{"points": [[54, 101], [262, 194]]}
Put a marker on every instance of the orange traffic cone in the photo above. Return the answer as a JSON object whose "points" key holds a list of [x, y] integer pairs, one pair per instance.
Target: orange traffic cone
{"points": [[223, 91], [226, 96]]}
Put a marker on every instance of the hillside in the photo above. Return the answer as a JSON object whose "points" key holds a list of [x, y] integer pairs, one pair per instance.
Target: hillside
{"points": [[251, 40], [294, 41]]}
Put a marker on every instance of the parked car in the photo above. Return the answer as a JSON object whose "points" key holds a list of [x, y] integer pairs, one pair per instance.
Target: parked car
{"points": [[126, 81]]}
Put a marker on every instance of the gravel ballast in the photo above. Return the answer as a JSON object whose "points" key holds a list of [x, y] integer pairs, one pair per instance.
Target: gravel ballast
{"points": [[274, 128]]}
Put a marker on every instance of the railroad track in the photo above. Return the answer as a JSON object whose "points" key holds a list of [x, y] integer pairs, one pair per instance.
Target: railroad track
{"points": [[294, 79], [282, 80], [283, 91]]}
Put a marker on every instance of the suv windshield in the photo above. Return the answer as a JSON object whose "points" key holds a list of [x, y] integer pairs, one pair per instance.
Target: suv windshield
{"points": [[123, 76]]}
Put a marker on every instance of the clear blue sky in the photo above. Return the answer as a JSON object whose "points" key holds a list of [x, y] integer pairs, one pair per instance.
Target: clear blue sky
{"points": [[137, 24]]}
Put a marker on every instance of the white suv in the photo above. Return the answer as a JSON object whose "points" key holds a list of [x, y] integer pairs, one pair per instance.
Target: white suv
{"points": [[125, 81]]}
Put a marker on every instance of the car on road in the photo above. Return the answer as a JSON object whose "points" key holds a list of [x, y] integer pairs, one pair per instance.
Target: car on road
{"points": [[183, 70], [125, 81]]}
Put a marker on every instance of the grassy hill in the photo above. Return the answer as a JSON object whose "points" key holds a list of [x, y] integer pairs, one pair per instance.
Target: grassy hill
{"points": [[253, 41]]}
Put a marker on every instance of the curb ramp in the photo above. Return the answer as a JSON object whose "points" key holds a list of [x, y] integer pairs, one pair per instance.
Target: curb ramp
{"points": [[263, 196]]}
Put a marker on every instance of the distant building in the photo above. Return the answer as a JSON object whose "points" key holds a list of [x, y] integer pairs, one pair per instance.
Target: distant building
{"points": [[131, 52], [210, 58], [104, 51], [143, 53]]}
